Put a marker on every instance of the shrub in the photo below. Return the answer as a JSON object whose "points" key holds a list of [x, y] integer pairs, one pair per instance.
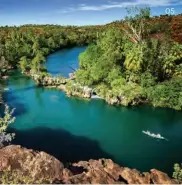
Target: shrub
{"points": [[16, 177], [177, 174], [4, 122], [167, 94]]}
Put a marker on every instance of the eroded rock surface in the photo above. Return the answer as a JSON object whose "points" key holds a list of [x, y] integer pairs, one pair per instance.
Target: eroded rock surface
{"points": [[40, 165], [37, 165]]}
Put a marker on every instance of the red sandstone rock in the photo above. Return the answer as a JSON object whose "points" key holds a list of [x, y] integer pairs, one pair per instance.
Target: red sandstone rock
{"points": [[39, 165], [36, 164], [159, 177]]}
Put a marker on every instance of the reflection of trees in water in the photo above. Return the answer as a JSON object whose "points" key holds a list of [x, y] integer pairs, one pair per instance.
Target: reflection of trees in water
{"points": [[165, 117], [38, 95], [1, 92], [3, 84], [19, 80]]}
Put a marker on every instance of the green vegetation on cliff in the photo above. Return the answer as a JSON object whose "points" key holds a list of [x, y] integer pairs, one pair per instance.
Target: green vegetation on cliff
{"points": [[27, 46], [131, 66], [129, 62]]}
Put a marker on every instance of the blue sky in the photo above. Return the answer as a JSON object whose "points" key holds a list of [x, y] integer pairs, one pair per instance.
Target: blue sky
{"points": [[75, 12]]}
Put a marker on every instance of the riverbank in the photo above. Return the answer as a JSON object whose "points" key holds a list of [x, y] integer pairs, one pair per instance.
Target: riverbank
{"points": [[90, 127], [21, 165], [4, 75], [72, 88], [65, 84]]}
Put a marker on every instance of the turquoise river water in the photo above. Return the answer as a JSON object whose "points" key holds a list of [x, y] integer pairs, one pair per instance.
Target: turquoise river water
{"points": [[75, 129]]}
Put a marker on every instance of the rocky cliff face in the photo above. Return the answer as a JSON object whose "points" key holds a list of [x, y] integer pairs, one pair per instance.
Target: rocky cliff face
{"points": [[48, 80], [73, 89], [41, 167]]}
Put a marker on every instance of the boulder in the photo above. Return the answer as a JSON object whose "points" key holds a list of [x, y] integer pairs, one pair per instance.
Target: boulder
{"points": [[39, 165], [112, 100], [5, 77], [105, 171], [159, 177], [71, 76], [62, 87]]}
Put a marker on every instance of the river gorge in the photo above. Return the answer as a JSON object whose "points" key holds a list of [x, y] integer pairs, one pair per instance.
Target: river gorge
{"points": [[74, 129]]}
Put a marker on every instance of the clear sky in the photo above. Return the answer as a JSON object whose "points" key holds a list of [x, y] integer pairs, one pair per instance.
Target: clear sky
{"points": [[76, 12]]}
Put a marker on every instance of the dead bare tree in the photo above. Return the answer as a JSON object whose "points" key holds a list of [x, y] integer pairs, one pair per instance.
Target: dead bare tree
{"points": [[136, 25]]}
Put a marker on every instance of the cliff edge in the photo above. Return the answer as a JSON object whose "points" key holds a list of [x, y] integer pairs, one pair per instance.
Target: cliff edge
{"points": [[21, 165]]}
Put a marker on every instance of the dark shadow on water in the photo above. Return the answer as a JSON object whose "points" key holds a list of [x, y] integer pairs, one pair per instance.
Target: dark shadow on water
{"points": [[59, 143]]}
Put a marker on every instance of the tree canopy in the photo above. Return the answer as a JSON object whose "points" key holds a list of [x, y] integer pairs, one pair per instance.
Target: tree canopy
{"points": [[127, 62], [129, 66]]}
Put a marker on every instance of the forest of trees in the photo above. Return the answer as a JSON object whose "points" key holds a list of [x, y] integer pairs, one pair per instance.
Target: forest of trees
{"points": [[130, 66], [130, 62], [26, 47], [29, 45], [127, 62]]}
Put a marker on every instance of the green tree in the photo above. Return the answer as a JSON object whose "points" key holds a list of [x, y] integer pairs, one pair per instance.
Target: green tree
{"points": [[23, 63], [3, 65], [37, 62], [35, 46], [99, 60]]}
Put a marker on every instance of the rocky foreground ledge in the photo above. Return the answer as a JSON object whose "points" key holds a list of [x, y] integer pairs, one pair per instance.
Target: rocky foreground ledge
{"points": [[40, 166]]}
